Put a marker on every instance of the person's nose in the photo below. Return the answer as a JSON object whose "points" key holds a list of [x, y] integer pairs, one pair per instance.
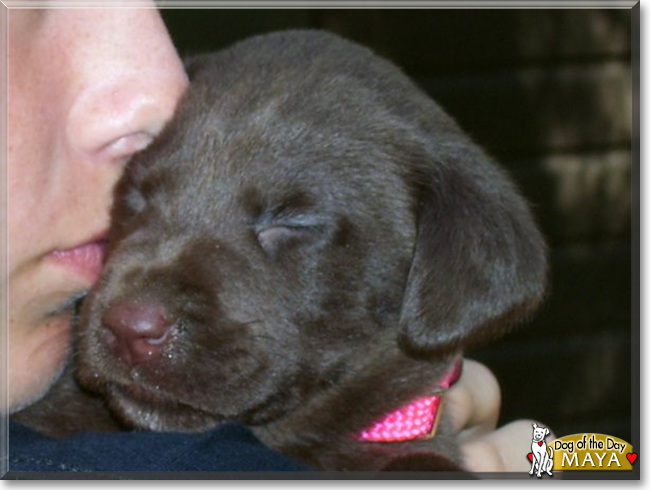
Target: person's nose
{"points": [[129, 80]]}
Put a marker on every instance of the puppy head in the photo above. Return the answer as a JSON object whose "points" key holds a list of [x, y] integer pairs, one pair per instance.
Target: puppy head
{"points": [[308, 209], [539, 433]]}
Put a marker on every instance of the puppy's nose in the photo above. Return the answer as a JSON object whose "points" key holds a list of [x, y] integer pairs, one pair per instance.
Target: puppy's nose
{"points": [[137, 333]]}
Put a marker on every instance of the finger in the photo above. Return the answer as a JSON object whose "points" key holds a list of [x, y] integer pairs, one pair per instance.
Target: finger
{"points": [[505, 449], [473, 403]]}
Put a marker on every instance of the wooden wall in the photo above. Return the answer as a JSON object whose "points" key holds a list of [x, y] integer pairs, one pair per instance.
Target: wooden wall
{"points": [[548, 93]]}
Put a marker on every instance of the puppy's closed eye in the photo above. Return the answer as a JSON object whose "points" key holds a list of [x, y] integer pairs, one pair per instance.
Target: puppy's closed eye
{"points": [[278, 238], [134, 202]]}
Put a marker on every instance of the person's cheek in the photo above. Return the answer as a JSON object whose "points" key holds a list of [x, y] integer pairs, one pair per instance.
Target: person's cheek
{"points": [[37, 344], [87, 88]]}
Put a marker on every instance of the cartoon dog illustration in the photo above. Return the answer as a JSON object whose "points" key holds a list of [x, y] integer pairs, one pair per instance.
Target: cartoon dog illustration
{"points": [[542, 460]]}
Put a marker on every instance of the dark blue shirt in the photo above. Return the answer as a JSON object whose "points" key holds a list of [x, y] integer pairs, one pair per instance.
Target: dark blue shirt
{"points": [[230, 447]]}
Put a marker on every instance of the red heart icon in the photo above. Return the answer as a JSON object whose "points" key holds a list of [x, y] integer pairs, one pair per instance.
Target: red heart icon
{"points": [[631, 457], [540, 443], [530, 457]]}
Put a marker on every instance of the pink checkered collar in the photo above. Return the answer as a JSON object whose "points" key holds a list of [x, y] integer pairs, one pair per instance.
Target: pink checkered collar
{"points": [[416, 420]]}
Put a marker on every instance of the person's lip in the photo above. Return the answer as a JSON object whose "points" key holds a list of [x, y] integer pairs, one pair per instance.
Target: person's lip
{"points": [[85, 259]]}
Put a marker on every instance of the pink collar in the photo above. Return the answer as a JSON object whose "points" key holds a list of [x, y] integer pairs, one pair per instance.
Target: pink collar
{"points": [[418, 419]]}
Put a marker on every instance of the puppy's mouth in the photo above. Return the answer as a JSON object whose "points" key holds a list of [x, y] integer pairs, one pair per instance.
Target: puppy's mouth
{"points": [[146, 395], [153, 409]]}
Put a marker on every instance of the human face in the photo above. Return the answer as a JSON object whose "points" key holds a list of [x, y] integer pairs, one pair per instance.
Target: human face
{"points": [[86, 89]]}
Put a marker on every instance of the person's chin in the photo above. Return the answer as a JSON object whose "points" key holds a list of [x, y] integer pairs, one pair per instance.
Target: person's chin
{"points": [[47, 355]]}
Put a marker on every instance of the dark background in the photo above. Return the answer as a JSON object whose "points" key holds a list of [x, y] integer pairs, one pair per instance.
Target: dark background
{"points": [[549, 94]]}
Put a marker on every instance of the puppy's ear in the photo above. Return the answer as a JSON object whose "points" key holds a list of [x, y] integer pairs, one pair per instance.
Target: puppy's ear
{"points": [[479, 264]]}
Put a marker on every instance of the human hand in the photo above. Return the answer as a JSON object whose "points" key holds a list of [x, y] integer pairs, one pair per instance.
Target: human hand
{"points": [[473, 405]]}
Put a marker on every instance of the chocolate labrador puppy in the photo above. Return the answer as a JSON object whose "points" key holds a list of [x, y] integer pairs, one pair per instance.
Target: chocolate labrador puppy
{"points": [[307, 249]]}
